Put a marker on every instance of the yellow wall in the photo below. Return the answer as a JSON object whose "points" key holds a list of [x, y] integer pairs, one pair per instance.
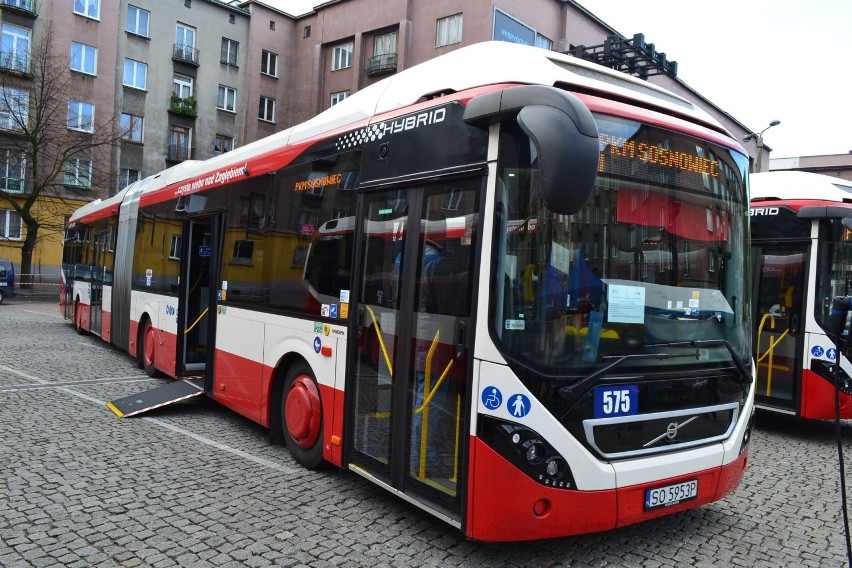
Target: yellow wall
{"points": [[47, 257]]}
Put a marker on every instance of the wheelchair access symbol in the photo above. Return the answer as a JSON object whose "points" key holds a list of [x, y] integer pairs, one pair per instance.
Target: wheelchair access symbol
{"points": [[492, 398]]}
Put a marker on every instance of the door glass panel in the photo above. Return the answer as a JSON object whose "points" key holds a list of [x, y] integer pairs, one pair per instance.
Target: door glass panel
{"points": [[780, 281], [440, 326], [378, 313]]}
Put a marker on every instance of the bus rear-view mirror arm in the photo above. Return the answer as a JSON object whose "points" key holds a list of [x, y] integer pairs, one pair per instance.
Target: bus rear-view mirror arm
{"points": [[563, 131]]}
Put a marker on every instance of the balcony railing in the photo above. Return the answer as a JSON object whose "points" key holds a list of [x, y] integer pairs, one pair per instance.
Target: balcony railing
{"points": [[185, 106], [185, 53], [15, 63], [27, 7], [381, 64], [178, 152]]}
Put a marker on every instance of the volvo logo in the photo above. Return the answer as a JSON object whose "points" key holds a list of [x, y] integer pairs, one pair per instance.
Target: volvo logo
{"points": [[671, 431]]}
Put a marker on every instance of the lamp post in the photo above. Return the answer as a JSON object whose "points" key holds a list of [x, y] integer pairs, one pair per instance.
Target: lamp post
{"points": [[759, 137]]}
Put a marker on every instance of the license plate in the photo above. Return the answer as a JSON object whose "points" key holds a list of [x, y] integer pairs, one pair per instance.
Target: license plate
{"points": [[671, 494]]}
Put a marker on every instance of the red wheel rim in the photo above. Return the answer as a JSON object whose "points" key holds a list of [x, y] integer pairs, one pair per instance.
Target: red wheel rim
{"points": [[149, 345], [303, 412]]}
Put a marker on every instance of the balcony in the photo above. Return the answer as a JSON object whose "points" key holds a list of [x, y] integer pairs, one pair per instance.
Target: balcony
{"points": [[178, 153], [381, 65], [185, 106], [185, 53], [25, 7], [16, 64]]}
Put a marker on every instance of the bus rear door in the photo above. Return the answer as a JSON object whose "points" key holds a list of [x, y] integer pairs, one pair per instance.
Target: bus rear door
{"points": [[780, 281], [408, 396]]}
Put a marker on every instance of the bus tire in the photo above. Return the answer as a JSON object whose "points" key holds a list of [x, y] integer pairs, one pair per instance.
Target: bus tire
{"points": [[1, 296], [78, 323], [301, 416], [148, 348]]}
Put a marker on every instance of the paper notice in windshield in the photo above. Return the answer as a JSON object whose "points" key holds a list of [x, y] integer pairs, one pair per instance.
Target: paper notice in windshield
{"points": [[626, 304]]}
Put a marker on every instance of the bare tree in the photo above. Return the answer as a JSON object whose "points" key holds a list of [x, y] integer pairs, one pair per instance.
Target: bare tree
{"points": [[51, 140]]}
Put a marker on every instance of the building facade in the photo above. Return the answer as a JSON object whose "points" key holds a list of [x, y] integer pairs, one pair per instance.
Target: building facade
{"points": [[187, 79]]}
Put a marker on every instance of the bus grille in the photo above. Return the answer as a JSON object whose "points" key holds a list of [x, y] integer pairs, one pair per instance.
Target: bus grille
{"points": [[653, 433]]}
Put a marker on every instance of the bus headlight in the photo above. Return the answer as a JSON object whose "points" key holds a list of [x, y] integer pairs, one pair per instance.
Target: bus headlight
{"points": [[526, 450]]}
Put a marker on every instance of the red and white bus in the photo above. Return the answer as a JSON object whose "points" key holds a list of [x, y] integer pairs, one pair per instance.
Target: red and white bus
{"points": [[801, 261], [505, 284]]}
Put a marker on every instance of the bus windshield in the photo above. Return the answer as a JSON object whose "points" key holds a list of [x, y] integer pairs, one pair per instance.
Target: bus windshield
{"points": [[648, 266]]}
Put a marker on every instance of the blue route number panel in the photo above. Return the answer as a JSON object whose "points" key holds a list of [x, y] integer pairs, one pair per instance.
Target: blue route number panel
{"points": [[621, 400]]}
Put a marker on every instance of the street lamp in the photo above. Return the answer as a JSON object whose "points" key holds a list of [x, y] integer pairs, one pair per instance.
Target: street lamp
{"points": [[759, 137]]}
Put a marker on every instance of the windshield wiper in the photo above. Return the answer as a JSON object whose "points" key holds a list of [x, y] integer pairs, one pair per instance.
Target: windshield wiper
{"points": [[569, 390], [745, 379]]}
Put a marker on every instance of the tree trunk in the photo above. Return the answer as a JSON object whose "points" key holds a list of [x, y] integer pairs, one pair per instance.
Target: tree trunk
{"points": [[26, 276]]}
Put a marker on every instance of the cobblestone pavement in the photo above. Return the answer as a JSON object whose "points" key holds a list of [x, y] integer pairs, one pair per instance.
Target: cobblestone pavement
{"points": [[196, 485]]}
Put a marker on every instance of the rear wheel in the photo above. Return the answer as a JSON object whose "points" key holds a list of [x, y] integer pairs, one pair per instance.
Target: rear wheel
{"points": [[301, 416], [1, 296], [78, 319], [148, 348]]}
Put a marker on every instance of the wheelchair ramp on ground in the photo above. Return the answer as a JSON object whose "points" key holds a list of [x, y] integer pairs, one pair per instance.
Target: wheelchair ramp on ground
{"points": [[155, 398]]}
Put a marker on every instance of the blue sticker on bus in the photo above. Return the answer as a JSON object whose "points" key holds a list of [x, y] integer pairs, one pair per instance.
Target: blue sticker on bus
{"points": [[518, 405], [492, 398], [317, 344], [621, 400]]}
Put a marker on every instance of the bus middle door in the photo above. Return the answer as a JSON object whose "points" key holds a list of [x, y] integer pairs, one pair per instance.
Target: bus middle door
{"points": [[199, 275]]}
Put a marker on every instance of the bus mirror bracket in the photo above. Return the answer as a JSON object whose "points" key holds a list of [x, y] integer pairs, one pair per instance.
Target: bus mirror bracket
{"points": [[563, 131]]}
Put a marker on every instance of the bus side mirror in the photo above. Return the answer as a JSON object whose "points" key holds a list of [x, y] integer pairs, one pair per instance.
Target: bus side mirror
{"points": [[563, 131], [567, 158]]}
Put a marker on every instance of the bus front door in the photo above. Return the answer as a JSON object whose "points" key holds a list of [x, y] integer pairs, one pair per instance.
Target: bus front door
{"points": [[199, 275], [409, 393], [780, 282], [98, 276]]}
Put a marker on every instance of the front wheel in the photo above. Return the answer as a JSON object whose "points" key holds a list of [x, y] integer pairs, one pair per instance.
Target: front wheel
{"points": [[1, 296], [301, 416]]}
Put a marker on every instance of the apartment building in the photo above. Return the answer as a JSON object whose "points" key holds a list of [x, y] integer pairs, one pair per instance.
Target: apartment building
{"points": [[188, 79]]}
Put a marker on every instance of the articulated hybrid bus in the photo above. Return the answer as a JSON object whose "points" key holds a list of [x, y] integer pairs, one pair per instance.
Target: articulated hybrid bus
{"points": [[802, 259], [509, 286]]}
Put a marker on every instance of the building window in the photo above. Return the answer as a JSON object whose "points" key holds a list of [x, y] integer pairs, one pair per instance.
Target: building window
{"points": [[341, 56], [269, 63], [135, 74], [174, 248], [10, 225], [81, 116], [271, 24], [543, 42], [84, 58], [267, 109], [128, 176], [182, 86], [12, 171], [185, 43], [384, 44], [179, 143], [227, 99], [78, 172], [15, 54], [222, 144], [131, 127], [449, 30], [307, 32], [14, 109], [229, 51], [137, 21], [338, 96], [88, 8], [243, 251]]}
